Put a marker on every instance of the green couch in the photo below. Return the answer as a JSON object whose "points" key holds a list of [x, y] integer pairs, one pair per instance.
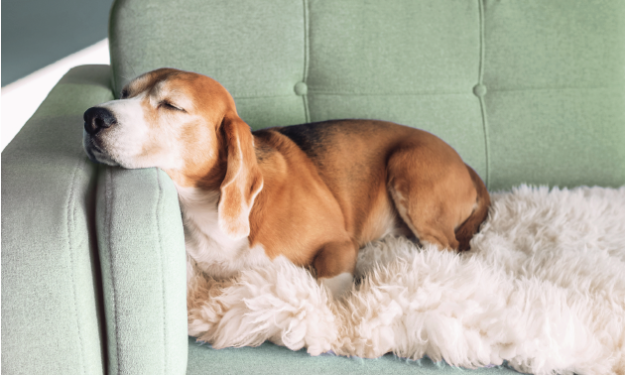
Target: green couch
{"points": [[93, 263]]}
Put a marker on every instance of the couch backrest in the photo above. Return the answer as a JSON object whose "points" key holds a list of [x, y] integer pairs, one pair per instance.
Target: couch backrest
{"points": [[526, 91]]}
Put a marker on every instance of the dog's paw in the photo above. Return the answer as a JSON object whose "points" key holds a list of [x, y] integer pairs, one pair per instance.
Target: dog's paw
{"points": [[338, 285]]}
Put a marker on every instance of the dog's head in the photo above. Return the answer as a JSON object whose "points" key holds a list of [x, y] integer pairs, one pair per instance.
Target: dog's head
{"points": [[186, 124]]}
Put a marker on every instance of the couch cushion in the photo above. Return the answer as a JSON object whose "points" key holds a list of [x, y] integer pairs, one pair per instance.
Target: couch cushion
{"points": [[272, 359], [527, 91], [254, 48], [355, 60], [555, 107], [141, 247], [50, 272]]}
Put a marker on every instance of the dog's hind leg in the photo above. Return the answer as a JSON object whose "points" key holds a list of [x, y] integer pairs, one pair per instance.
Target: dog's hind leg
{"points": [[433, 194]]}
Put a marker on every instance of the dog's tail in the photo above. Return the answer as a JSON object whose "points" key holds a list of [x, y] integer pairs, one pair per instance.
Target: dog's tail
{"points": [[471, 225]]}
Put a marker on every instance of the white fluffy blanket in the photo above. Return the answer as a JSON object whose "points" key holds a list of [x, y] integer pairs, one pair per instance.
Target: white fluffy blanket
{"points": [[543, 288]]}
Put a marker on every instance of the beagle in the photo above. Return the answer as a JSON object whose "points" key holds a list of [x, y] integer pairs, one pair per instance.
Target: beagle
{"points": [[312, 193]]}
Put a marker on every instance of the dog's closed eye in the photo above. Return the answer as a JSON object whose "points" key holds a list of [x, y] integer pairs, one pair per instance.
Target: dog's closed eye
{"points": [[167, 105]]}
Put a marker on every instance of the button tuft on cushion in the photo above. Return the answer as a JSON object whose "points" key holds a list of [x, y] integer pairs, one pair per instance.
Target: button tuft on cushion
{"points": [[301, 88], [479, 90]]}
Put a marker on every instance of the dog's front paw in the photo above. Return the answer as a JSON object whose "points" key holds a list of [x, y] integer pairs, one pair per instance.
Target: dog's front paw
{"points": [[338, 285]]}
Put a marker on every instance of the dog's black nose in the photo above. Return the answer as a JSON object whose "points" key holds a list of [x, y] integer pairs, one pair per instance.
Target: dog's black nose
{"points": [[97, 118]]}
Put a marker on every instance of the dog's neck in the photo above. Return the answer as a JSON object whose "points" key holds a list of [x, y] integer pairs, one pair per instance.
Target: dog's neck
{"points": [[209, 250], [199, 212]]}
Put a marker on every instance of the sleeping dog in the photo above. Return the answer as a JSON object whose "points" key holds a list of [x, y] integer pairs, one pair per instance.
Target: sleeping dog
{"points": [[312, 193]]}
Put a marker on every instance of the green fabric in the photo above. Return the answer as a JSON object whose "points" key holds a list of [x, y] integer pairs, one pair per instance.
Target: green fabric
{"points": [[255, 48], [411, 62], [51, 320], [526, 91], [271, 359], [141, 245], [555, 107]]}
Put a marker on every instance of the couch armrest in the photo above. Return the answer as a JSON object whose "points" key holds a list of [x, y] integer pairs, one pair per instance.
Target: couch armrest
{"points": [[50, 294], [141, 245]]}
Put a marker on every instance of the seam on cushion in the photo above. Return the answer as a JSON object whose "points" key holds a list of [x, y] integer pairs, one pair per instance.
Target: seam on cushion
{"points": [[261, 95], [108, 220], [112, 79], [481, 97], [306, 58], [347, 93], [160, 244], [324, 92], [109, 25], [557, 89], [100, 298], [70, 221]]}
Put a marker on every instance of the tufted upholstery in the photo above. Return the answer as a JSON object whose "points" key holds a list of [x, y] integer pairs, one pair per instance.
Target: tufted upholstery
{"points": [[526, 91]]}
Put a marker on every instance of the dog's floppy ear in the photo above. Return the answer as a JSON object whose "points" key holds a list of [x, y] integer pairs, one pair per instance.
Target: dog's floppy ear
{"points": [[243, 179]]}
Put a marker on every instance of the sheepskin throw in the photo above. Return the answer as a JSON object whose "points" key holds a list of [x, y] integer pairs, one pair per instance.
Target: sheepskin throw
{"points": [[543, 288]]}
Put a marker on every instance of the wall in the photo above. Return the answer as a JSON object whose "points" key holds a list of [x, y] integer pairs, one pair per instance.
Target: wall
{"points": [[36, 33]]}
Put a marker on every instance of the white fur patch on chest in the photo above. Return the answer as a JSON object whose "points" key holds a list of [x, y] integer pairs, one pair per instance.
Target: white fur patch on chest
{"points": [[209, 250]]}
